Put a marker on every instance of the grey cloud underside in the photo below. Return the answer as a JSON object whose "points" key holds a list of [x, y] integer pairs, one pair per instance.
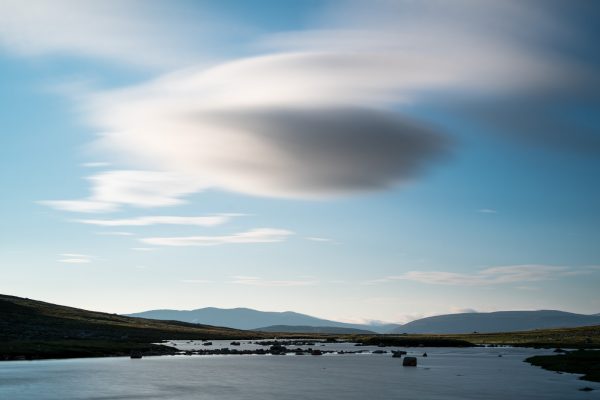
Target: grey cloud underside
{"points": [[332, 151]]}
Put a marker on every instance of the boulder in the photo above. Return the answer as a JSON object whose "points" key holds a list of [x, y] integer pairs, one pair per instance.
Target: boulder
{"points": [[409, 362]]}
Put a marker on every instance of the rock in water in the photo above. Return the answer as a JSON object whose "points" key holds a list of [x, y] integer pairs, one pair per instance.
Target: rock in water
{"points": [[409, 362]]}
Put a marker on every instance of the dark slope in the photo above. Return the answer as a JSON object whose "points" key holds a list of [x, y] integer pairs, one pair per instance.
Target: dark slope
{"points": [[32, 329], [24, 319]]}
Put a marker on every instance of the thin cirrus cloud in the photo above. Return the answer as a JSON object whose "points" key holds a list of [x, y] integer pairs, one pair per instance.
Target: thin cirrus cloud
{"points": [[98, 164], [141, 34], [206, 221], [489, 276], [74, 258], [260, 235], [147, 189], [257, 281]]}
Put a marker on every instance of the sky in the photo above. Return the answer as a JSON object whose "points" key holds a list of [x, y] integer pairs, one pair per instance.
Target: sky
{"points": [[363, 161]]}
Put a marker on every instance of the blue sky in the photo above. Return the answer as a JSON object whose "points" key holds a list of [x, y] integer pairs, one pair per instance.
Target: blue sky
{"points": [[347, 159]]}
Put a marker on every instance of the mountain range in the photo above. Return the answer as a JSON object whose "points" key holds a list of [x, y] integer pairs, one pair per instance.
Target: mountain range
{"points": [[249, 319], [268, 321]]}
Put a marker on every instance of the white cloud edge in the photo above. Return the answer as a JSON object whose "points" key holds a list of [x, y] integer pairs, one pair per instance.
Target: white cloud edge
{"points": [[204, 221], [257, 235], [486, 277]]}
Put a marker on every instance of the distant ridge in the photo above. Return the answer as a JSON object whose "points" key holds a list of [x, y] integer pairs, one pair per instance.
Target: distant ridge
{"points": [[314, 329], [500, 321], [246, 318]]}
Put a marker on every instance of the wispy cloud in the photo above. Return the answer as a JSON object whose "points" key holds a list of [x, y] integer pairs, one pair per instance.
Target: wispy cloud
{"points": [[319, 239], [112, 189], [489, 276], [257, 281], [81, 206], [143, 248], [74, 258], [137, 33], [260, 235], [95, 164], [74, 255], [207, 221], [487, 211]]}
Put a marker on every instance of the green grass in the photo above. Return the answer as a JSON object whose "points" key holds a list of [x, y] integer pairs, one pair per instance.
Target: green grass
{"points": [[585, 362], [587, 337]]}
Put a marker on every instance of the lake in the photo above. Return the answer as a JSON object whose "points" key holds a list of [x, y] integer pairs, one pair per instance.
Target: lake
{"points": [[447, 373]]}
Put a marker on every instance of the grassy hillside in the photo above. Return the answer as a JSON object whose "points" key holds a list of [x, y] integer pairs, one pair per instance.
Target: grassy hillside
{"points": [[24, 319], [579, 338], [34, 329]]}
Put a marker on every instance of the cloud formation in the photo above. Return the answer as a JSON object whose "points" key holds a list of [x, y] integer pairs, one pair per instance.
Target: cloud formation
{"points": [[489, 276], [260, 235], [74, 258], [207, 221], [113, 189], [324, 111]]}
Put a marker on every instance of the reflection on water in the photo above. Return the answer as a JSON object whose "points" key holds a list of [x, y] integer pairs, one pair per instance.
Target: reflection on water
{"points": [[447, 373]]}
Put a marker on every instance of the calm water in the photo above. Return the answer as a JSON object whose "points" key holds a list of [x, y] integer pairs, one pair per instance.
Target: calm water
{"points": [[446, 374]]}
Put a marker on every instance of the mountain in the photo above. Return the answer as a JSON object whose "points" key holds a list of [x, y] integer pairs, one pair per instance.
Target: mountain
{"points": [[314, 329], [246, 318], [501, 321]]}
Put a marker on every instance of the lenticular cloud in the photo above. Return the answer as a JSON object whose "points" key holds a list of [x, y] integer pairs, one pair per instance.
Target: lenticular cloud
{"points": [[287, 140]]}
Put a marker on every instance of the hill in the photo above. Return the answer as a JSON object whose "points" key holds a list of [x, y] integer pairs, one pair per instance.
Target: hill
{"points": [[35, 329], [501, 321], [314, 329], [246, 318]]}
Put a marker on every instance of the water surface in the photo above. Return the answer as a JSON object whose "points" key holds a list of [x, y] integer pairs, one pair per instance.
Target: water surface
{"points": [[447, 373]]}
